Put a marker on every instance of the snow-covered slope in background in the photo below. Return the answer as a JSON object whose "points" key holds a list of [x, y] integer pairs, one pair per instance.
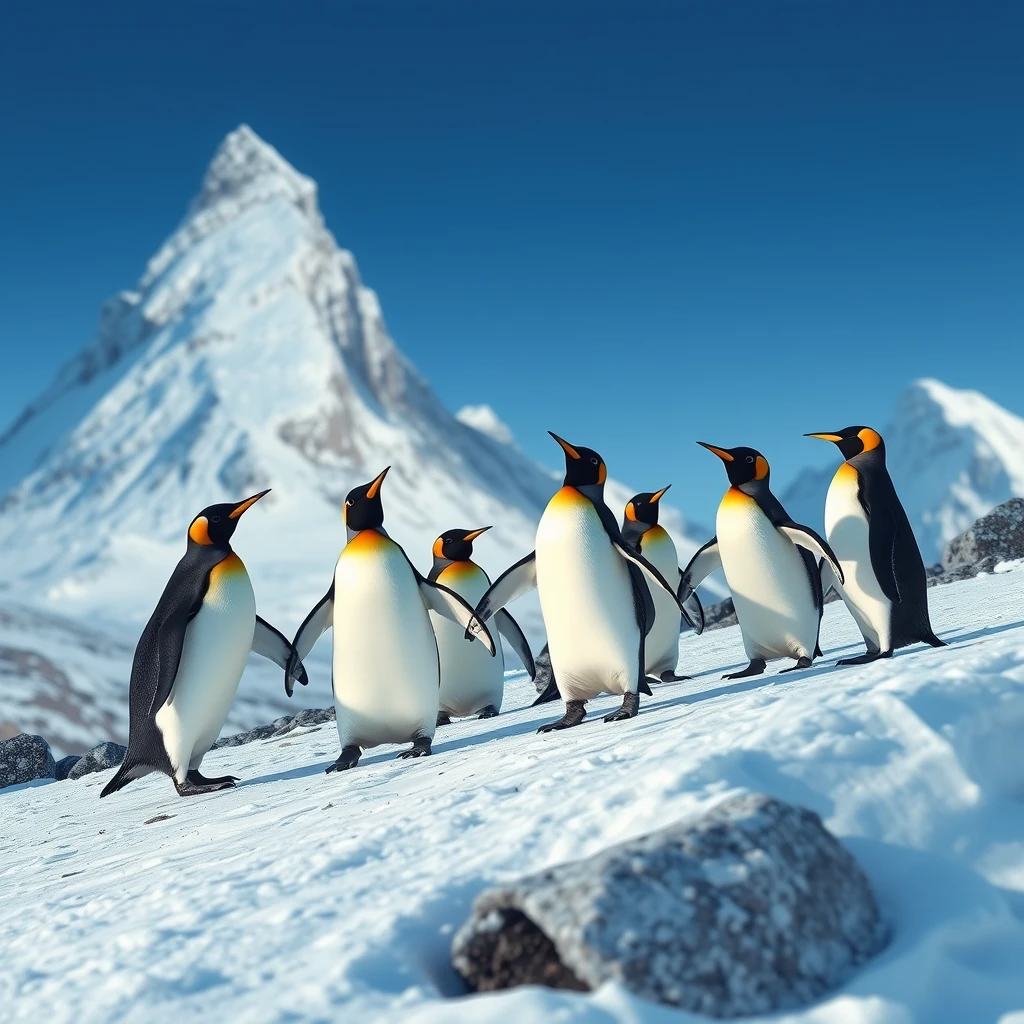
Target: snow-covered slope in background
{"points": [[953, 455], [249, 355]]}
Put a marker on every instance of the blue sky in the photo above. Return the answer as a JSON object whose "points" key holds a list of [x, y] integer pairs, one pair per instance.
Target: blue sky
{"points": [[637, 225]]}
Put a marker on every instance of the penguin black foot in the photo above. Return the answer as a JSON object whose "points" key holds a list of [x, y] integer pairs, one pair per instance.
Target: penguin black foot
{"points": [[802, 662], [420, 748], [189, 788], [630, 708], [755, 668], [443, 718], [488, 712], [201, 780], [575, 712], [864, 659], [348, 758], [671, 677]]}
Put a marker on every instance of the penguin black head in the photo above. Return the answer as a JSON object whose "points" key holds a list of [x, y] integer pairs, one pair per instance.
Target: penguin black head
{"points": [[853, 441], [744, 465], [363, 510], [214, 526], [456, 545], [583, 466], [643, 507]]}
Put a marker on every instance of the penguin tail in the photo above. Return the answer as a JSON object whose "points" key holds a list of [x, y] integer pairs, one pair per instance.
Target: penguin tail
{"points": [[644, 687], [550, 693], [121, 778], [932, 640]]}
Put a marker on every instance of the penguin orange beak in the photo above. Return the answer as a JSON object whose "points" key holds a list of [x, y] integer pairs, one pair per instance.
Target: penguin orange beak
{"points": [[836, 438], [248, 503], [658, 494], [473, 534], [566, 447], [375, 486], [720, 452]]}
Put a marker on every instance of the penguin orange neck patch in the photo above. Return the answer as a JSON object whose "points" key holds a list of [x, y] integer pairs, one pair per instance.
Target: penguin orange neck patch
{"points": [[199, 531], [871, 439]]}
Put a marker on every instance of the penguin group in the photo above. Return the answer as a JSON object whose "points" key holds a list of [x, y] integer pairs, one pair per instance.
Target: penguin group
{"points": [[411, 652]]}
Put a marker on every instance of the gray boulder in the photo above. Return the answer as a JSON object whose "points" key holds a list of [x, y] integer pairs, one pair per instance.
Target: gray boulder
{"points": [[994, 538], [25, 758], [99, 759], [64, 766], [749, 909], [279, 727]]}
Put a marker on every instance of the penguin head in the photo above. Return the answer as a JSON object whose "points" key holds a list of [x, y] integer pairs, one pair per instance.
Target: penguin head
{"points": [[853, 441], [214, 526], [456, 545], [643, 507], [363, 510], [583, 466], [744, 465]]}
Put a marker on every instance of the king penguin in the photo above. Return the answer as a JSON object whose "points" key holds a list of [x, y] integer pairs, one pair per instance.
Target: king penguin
{"points": [[386, 671], [640, 528], [471, 682], [190, 658], [885, 586], [596, 605], [770, 564]]}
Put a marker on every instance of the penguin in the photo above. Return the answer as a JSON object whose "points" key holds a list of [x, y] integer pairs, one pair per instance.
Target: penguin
{"points": [[885, 587], [471, 682], [640, 528], [770, 563], [386, 667], [596, 605], [190, 658]]}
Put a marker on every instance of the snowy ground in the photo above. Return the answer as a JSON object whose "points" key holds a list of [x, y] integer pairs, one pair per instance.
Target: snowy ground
{"points": [[306, 897]]}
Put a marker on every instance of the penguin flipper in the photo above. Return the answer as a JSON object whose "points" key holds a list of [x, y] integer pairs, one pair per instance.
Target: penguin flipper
{"points": [[693, 608], [270, 643], [515, 581], [437, 597], [509, 629], [882, 549], [635, 558], [316, 623], [828, 577], [805, 537], [704, 562]]}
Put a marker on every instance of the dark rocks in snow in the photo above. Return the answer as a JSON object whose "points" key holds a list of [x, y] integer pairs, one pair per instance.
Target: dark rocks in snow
{"points": [[751, 908], [279, 727], [720, 615], [994, 538], [64, 766], [25, 758], [99, 759]]}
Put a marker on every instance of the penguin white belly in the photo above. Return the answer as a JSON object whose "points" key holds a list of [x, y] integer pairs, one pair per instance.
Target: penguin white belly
{"points": [[217, 643], [662, 647], [768, 579], [385, 656], [586, 599], [847, 530], [470, 678]]}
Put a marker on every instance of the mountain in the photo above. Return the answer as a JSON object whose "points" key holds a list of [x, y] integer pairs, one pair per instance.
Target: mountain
{"points": [[953, 456], [249, 355]]}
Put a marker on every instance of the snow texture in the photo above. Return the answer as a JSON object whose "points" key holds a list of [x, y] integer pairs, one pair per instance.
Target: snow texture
{"points": [[953, 455], [750, 908], [301, 896]]}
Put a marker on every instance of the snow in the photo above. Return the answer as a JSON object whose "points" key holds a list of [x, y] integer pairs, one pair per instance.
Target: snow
{"points": [[303, 896], [953, 455]]}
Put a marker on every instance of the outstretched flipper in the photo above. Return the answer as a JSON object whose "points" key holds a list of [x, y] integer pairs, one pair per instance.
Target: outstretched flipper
{"points": [[270, 643], [704, 562], [805, 537], [509, 629], [635, 558], [516, 580], [316, 623], [437, 597]]}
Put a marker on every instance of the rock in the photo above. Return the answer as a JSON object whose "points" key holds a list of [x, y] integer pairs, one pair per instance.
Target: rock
{"points": [[279, 727], [99, 759], [751, 908], [996, 537], [307, 719], [261, 732], [720, 615], [24, 758], [64, 766]]}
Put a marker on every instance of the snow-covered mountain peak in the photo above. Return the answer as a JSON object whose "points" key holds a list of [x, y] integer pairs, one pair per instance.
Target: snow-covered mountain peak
{"points": [[487, 421]]}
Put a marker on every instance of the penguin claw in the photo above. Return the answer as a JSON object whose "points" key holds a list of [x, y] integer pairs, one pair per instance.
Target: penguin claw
{"points": [[630, 709], [420, 748], [574, 714], [194, 789], [348, 758]]}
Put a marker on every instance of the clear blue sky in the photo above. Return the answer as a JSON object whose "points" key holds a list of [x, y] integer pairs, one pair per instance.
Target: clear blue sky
{"points": [[635, 224]]}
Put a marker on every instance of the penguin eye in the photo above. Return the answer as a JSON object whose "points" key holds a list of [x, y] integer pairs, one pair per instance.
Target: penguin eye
{"points": [[349, 503], [595, 461], [750, 458], [215, 519]]}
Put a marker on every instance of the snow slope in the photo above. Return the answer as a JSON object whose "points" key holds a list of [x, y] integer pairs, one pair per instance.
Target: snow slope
{"points": [[953, 455], [305, 897]]}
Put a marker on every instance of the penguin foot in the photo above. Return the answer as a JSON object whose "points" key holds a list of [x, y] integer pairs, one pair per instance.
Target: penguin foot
{"points": [[488, 712], [201, 780], [755, 668], [574, 714], [420, 748], [671, 677], [443, 718], [188, 788], [864, 659], [801, 662], [348, 758], [630, 708]]}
